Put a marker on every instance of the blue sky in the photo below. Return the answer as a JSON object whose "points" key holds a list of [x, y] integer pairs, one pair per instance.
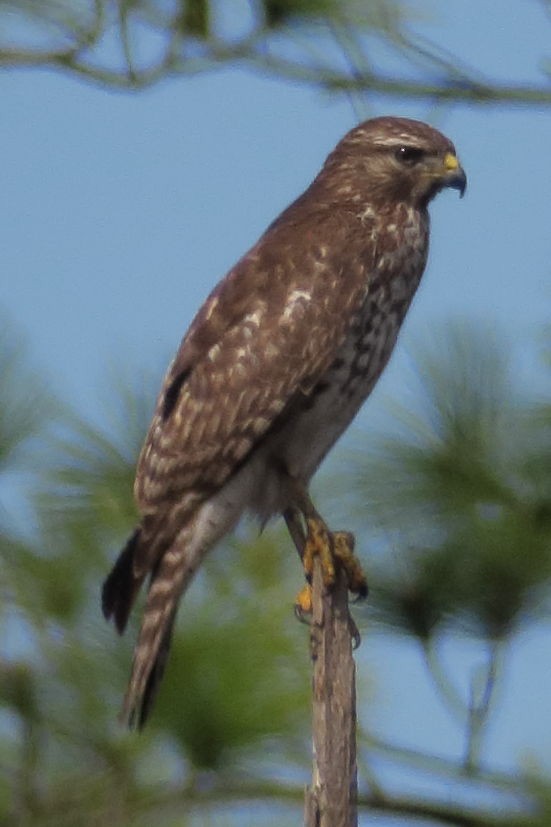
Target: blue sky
{"points": [[120, 212]]}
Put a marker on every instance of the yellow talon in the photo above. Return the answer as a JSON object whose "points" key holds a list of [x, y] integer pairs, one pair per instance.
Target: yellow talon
{"points": [[333, 548], [303, 602], [319, 543], [343, 547]]}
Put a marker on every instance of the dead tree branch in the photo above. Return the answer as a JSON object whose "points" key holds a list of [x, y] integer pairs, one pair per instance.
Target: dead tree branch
{"points": [[332, 799]]}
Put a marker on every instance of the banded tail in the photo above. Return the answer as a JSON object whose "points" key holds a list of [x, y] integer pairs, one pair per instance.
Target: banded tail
{"points": [[169, 579]]}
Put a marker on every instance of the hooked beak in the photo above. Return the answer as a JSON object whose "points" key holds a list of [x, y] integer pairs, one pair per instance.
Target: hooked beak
{"points": [[454, 174]]}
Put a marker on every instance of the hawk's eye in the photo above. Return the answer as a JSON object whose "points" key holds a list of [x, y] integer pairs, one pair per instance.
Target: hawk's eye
{"points": [[409, 154]]}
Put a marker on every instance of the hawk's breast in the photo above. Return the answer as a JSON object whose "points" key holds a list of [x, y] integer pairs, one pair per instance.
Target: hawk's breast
{"points": [[315, 421]]}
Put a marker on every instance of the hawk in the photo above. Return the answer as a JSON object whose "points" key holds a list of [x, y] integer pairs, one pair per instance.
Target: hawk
{"points": [[273, 369]]}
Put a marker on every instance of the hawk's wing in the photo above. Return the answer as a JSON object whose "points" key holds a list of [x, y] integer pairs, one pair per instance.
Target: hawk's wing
{"points": [[268, 332]]}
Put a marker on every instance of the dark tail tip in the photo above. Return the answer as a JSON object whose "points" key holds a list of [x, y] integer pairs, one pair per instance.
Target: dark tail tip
{"points": [[121, 586], [138, 702]]}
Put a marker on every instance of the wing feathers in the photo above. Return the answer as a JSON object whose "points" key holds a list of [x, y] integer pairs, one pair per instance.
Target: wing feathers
{"points": [[172, 392], [266, 334]]}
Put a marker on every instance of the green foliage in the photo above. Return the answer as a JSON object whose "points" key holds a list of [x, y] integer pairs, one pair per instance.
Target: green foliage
{"points": [[454, 488], [26, 404], [278, 12], [196, 18], [237, 677], [460, 494]]}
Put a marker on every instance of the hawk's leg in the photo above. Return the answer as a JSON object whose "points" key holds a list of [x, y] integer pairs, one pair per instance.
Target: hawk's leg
{"points": [[295, 526]]}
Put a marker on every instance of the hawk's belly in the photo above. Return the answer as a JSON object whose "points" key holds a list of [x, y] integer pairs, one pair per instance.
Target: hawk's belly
{"points": [[317, 421], [324, 416]]}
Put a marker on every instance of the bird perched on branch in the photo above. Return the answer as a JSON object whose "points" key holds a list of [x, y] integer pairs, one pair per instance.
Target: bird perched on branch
{"points": [[273, 369]]}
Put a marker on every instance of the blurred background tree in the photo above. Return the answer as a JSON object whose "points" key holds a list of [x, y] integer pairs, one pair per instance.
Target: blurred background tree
{"points": [[454, 506], [452, 502], [334, 44]]}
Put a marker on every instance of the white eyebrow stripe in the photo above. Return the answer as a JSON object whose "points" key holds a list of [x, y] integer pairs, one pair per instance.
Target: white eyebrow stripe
{"points": [[395, 140]]}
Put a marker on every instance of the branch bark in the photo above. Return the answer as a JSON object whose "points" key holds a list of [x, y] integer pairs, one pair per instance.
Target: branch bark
{"points": [[332, 799]]}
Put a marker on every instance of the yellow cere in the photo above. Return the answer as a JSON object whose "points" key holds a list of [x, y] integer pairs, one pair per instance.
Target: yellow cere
{"points": [[450, 161]]}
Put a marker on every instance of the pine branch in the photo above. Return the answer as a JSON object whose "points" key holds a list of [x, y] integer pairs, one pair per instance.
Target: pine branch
{"points": [[185, 46]]}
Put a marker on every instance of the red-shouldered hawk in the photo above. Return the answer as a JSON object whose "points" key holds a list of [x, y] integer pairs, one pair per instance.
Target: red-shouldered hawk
{"points": [[273, 369]]}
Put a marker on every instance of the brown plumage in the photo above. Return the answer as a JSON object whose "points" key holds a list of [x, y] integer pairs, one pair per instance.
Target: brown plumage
{"points": [[274, 367]]}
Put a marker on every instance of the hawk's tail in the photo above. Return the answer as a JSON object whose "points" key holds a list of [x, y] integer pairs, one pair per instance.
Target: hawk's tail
{"points": [[169, 579], [122, 585]]}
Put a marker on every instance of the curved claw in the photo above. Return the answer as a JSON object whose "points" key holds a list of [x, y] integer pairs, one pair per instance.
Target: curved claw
{"points": [[354, 633], [361, 595]]}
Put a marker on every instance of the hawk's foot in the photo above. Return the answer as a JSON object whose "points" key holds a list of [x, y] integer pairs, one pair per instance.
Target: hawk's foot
{"points": [[319, 543], [333, 549], [303, 612], [343, 550], [303, 603]]}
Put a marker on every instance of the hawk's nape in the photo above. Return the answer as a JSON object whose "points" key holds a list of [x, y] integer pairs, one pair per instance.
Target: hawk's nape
{"points": [[273, 369]]}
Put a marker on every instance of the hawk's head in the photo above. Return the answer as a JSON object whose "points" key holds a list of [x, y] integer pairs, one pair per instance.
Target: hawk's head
{"points": [[393, 159]]}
